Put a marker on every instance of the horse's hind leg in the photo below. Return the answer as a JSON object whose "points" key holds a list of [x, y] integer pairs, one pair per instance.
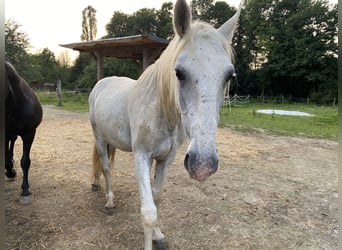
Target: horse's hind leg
{"points": [[25, 165], [103, 156], [97, 169], [9, 147]]}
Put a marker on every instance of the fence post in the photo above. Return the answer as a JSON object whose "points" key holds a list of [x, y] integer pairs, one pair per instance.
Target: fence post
{"points": [[308, 101], [59, 92]]}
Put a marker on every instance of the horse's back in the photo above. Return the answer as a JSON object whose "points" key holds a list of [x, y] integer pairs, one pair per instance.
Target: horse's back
{"points": [[108, 105], [23, 110]]}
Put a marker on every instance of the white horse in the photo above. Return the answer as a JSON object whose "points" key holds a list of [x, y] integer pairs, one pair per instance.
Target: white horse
{"points": [[177, 97]]}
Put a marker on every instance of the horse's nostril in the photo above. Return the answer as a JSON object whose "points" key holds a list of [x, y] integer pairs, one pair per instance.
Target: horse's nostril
{"points": [[186, 161]]}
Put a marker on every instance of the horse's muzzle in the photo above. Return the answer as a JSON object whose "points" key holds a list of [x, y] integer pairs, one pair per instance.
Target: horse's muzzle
{"points": [[200, 168]]}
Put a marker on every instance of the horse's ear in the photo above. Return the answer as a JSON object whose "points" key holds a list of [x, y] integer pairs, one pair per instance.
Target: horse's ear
{"points": [[229, 27], [181, 17]]}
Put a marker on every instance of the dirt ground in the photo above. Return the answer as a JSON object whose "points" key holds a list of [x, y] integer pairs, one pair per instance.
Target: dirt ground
{"points": [[268, 193]]}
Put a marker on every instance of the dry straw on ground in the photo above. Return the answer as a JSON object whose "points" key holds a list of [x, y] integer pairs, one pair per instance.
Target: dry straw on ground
{"points": [[269, 193]]}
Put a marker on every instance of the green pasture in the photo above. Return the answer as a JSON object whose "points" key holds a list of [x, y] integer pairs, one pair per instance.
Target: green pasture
{"points": [[244, 117]]}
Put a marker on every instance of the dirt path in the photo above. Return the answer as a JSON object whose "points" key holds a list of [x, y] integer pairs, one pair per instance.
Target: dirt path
{"points": [[269, 193]]}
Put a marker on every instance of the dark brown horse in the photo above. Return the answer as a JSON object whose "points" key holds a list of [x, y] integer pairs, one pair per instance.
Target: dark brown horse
{"points": [[23, 114]]}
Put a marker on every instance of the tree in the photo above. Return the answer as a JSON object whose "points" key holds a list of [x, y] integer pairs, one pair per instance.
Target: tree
{"points": [[300, 46], [47, 66], [164, 21], [64, 58], [249, 49], [287, 47], [16, 42], [143, 21], [89, 28], [200, 9], [118, 25], [219, 13], [112, 66], [81, 63]]}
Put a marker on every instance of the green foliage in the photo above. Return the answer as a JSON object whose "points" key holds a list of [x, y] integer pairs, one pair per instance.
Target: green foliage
{"points": [[88, 77], [288, 47], [143, 21], [16, 46], [200, 9], [322, 125], [218, 13], [164, 21], [81, 63], [16, 42], [112, 66], [118, 25], [215, 13]]}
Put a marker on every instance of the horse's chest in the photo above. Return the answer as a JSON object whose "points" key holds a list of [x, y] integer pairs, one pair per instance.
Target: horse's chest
{"points": [[167, 144]]}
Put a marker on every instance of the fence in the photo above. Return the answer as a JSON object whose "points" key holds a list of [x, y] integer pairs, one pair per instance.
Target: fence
{"points": [[237, 100]]}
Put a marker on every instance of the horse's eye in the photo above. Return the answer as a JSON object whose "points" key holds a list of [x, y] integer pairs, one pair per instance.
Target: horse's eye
{"points": [[180, 75]]}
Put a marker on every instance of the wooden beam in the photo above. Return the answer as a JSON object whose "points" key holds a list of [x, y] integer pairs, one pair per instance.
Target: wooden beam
{"points": [[150, 55], [99, 64]]}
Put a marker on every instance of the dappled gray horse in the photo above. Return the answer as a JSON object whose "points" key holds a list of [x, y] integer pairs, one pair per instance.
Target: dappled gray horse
{"points": [[177, 97]]}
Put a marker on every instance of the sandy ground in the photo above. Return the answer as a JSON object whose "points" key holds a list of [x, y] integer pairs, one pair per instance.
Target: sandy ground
{"points": [[269, 193]]}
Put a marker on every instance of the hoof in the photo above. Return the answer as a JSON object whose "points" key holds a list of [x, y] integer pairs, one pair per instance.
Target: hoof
{"points": [[11, 174], [160, 244], [109, 210], [95, 188], [26, 199]]}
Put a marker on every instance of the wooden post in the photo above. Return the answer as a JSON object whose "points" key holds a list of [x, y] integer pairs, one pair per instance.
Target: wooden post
{"points": [[145, 58], [59, 92], [149, 56], [99, 63]]}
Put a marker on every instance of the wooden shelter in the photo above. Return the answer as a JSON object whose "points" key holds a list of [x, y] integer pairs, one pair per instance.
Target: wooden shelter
{"points": [[144, 49]]}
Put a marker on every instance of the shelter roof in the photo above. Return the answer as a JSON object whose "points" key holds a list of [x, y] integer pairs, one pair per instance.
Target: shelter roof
{"points": [[120, 47]]}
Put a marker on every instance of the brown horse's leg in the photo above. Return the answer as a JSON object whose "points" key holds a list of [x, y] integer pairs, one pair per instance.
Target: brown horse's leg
{"points": [[9, 147], [25, 164]]}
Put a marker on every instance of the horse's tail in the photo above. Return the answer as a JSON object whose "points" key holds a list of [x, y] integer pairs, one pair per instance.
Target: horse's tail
{"points": [[111, 155], [97, 163]]}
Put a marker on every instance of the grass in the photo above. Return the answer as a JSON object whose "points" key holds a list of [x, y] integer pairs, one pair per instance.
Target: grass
{"points": [[244, 117], [70, 101], [322, 125]]}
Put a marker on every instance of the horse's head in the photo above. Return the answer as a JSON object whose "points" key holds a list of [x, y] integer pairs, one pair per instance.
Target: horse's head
{"points": [[203, 68]]}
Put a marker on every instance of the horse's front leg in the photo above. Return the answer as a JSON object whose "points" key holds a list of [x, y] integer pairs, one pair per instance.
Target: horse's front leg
{"points": [[9, 147], [148, 208], [160, 172], [25, 165]]}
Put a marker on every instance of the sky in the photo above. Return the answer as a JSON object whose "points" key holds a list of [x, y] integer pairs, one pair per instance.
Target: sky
{"points": [[50, 23]]}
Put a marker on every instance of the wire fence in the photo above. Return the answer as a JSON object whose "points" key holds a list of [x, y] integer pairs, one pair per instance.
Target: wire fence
{"points": [[236, 100]]}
